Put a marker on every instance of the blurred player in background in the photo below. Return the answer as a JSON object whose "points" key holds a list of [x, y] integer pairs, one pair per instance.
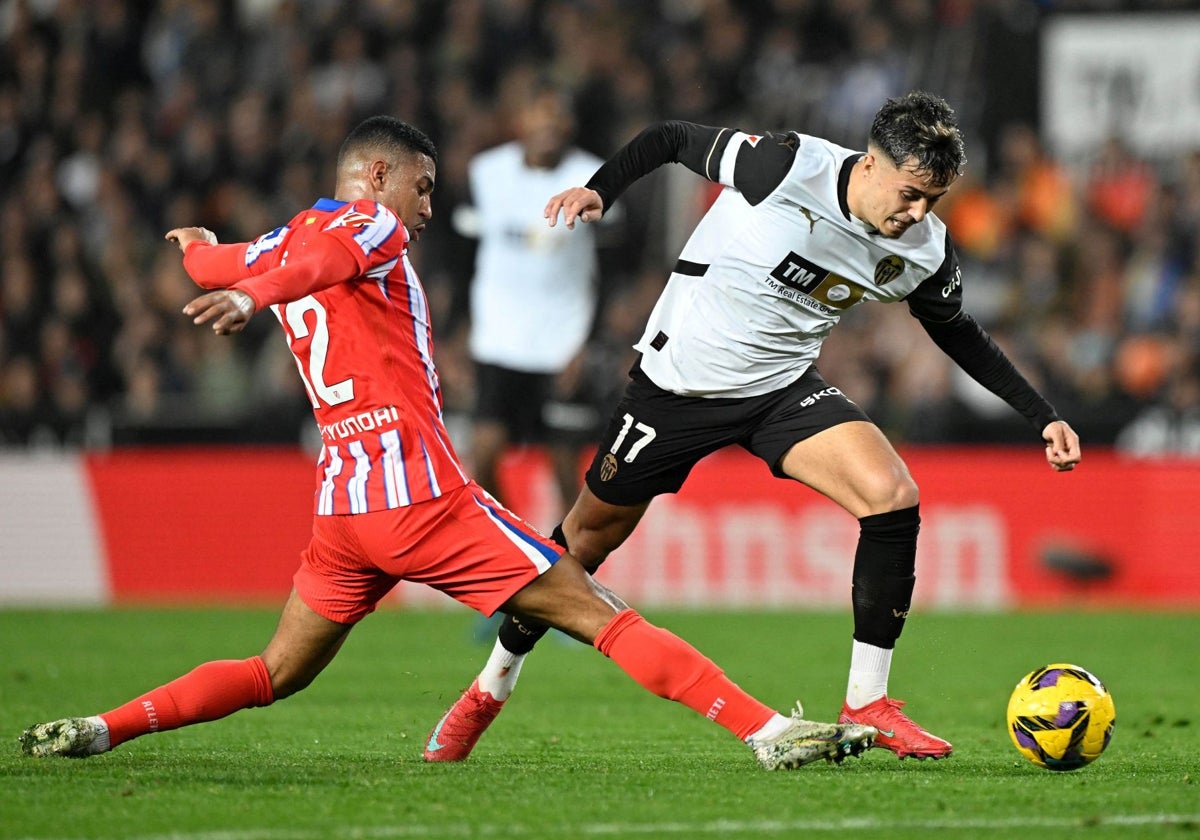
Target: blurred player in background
{"points": [[392, 502], [533, 296], [802, 231]]}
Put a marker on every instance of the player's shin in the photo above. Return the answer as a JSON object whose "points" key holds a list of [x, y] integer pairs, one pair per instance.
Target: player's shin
{"points": [[516, 638], [210, 691], [666, 665], [499, 675]]}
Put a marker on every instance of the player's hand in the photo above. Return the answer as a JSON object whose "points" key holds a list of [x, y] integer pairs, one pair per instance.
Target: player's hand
{"points": [[575, 203], [228, 310], [185, 236], [1062, 446]]}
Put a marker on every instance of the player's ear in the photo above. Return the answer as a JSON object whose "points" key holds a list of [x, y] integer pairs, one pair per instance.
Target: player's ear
{"points": [[377, 172], [868, 163]]}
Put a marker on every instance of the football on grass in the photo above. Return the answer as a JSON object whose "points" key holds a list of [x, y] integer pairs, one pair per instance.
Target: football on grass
{"points": [[1061, 717]]}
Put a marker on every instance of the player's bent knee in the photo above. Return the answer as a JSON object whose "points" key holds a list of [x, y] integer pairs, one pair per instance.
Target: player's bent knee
{"points": [[286, 683], [568, 599], [906, 494], [895, 493], [579, 614]]}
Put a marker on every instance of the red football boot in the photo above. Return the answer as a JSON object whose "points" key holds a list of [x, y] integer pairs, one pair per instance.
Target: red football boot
{"points": [[456, 733], [897, 731]]}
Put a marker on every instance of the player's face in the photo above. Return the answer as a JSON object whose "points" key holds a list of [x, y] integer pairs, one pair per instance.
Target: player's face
{"points": [[545, 127], [896, 197], [408, 191]]}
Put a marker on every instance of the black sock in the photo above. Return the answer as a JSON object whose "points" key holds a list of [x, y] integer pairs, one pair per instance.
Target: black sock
{"points": [[519, 635], [884, 567]]}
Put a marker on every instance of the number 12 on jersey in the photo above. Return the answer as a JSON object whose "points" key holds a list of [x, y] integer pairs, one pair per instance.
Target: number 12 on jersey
{"points": [[292, 314]]}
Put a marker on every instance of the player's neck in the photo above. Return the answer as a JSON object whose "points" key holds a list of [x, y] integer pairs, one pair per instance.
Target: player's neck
{"points": [[854, 190], [543, 160]]}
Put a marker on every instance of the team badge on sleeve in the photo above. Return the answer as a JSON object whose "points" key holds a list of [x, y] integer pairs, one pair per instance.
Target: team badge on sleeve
{"points": [[371, 231], [353, 219], [266, 242]]}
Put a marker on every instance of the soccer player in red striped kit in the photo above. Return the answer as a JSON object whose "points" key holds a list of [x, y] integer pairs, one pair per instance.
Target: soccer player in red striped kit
{"points": [[392, 502]]}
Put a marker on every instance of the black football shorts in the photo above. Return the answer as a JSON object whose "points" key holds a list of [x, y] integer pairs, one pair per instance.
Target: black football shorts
{"points": [[655, 437], [513, 398]]}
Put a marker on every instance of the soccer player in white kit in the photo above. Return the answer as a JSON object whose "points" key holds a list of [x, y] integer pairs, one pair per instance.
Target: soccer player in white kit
{"points": [[533, 295], [802, 231]]}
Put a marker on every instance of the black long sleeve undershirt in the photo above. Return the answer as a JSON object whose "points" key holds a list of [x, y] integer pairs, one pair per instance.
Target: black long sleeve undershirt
{"points": [[973, 350], [671, 141]]}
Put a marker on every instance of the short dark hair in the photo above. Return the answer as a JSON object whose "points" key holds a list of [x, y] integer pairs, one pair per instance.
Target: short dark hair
{"points": [[921, 125], [390, 135]]}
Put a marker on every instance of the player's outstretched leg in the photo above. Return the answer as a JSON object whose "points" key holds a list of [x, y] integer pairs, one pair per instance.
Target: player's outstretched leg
{"points": [[666, 665], [208, 692], [897, 731]]}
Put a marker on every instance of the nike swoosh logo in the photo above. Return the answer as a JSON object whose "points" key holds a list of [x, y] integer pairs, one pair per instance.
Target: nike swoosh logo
{"points": [[433, 745], [886, 733]]}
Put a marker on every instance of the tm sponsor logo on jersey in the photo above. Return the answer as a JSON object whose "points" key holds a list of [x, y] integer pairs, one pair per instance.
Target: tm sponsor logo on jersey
{"points": [[805, 282], [367, 421]]}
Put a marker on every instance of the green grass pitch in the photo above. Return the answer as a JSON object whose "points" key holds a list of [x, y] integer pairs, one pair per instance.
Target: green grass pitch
{"points": [[581, 751]]}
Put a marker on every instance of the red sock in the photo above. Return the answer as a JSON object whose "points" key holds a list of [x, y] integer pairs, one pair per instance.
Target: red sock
{"points": [[666, 665], [211, 691]]}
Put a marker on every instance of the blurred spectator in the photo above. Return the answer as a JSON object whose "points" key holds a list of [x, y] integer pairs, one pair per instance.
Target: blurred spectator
{"points": [[1043, 193], [1119, 187], [1171, 426], [23, 418], [533, 294]]}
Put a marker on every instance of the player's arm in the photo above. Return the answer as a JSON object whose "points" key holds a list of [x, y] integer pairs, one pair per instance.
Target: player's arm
{"points": [[937, 304], [215, 266], [753, 164], [324, 262], [211, 266]]}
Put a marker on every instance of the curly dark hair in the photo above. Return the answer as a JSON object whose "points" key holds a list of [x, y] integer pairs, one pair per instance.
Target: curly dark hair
{"points": [[923, 127], [388, 134]]}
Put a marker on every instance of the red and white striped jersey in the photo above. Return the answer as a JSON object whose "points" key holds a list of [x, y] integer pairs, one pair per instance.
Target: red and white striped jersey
{"points": [[338, 278]]}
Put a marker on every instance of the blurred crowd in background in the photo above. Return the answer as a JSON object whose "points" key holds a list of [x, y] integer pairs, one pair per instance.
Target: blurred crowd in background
{"points": [[121, 120]]}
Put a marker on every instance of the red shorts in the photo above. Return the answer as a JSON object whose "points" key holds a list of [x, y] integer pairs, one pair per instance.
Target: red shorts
{"points": [[463, 543]]}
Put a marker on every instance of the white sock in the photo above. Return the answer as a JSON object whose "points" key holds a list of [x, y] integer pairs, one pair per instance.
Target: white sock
{"points": [[869, 668], [775, 726], [101, 742], [499, 676]]}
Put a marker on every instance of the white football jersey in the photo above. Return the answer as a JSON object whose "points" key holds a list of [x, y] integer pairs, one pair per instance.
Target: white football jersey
{"points": [[533, 296], [759, 285]]}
